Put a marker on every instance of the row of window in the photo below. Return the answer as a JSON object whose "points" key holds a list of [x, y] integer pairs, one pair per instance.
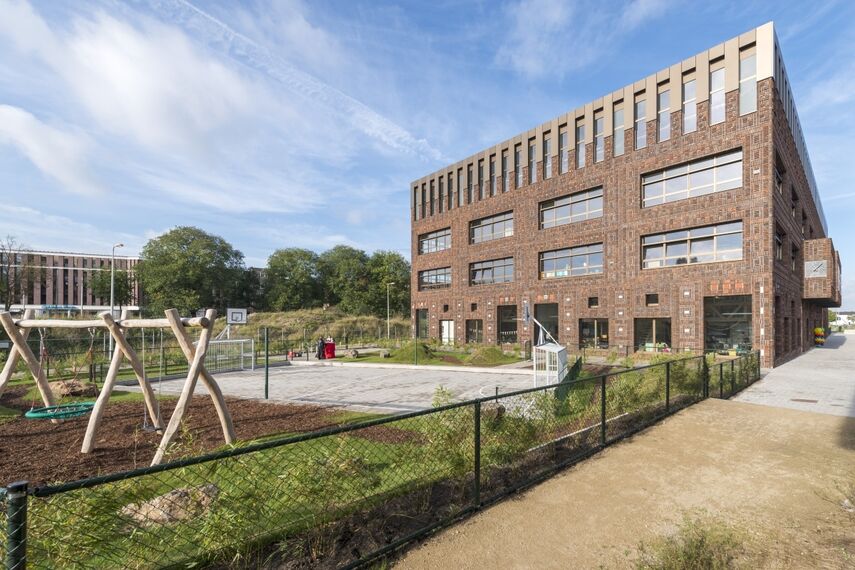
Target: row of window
{"points": [[427, 200], [695, 178], [721, 242]]}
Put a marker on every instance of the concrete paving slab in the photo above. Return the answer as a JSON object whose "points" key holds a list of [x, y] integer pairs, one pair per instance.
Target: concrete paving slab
{"points": [[821, 380]]}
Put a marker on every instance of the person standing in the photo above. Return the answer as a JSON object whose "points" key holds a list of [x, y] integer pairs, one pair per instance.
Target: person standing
{"points": [[321, 348]]}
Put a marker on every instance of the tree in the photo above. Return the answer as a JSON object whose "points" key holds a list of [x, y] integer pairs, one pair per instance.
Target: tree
{"points": [[832, 316], [292, 280], [16, 271], [123, 291], [189, 269], [389, 267], [344, 279]]}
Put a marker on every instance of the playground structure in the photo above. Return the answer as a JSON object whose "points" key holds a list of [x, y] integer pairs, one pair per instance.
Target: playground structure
{"points": [[19, 330]]}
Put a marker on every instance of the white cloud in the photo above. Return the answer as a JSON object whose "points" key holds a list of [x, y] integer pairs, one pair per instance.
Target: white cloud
{"points": [[59, 154]]}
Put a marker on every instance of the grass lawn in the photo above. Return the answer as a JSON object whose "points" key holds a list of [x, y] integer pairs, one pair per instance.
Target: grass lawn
{"points": [[7, 414]]}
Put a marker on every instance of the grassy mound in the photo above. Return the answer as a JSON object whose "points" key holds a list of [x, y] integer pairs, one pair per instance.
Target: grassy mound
{"points": [[407, 353], [488, 356]]}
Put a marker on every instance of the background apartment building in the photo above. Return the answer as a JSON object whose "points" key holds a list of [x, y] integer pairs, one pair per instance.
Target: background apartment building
{"points": [[680, 212], [61, 282]]}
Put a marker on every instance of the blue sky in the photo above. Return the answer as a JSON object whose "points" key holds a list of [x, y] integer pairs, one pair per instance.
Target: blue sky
{"points": [[292, 123]]}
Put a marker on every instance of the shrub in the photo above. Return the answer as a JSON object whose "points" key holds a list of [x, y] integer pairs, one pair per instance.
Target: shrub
{"points": [[699, 543]]}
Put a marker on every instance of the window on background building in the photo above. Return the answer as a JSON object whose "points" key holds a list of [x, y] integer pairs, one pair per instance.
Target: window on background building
{"points": [[470, 182], [794, 258], [493, 175], [547, 315], [580, 144], [804, 223], [779, 245], [423, 199], [690, 107], [440, 196], [518, 168], [618, 130], [696, 178], [717, 102], [460, 193], [480, 180], [573, 261], [507, 323], [490, 228], [652, 334], [594, 333], [708, 244], [532, 162], [432, 198], [492, 271], [435, 241], [506, 176], [435, 279], [727, 323], [422, 323], [794, 203], [640, 123], [547, 155], [747, 84], [573, 208], [779, 181], [651, 299], [599, 138], [417, 210], [474, 331], [663, 108], [593, 302], [563, 150]]}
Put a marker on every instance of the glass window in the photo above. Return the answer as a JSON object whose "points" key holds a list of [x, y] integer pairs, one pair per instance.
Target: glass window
{"points": [[651, 299], [417, 211], [563, 150], [470, 182], [779, 245], [460, 193], [518, 165], [594, 333], [532, 162], [727, 324], [748, 84], [593, 302], [547, 155], [493, 227], [617, 134], [580, 145], [506, 178], [599, 139], [435, 278], [440, 195], [507, 324], [717, 103], [698, 245], [663, 103], [640, 124], [547, 315], [652, 335], [422, 323], [573, 208], [493, 271], [435, 241], [696, 178], [474, 330], [690, 107], [431, 200], [493, 175], [573, 261], [480, 180]]}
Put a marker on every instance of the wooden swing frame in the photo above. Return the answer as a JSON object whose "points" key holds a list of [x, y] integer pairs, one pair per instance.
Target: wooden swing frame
{"points": [[19, 330]]}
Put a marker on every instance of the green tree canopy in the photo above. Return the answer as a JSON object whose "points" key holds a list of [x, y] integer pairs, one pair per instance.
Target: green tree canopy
{"points": [[189, 269], [344, 278], [123, 291], [292, 280], [389, 267]]}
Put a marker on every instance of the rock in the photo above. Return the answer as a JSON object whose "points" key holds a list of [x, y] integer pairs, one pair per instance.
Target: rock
{"points": [[352, 353], [177, 505], [63, 389], [385, 354], [492, 413]]}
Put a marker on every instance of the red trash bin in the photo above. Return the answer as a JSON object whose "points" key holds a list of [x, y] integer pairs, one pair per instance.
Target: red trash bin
{"points": [[329, 350]]}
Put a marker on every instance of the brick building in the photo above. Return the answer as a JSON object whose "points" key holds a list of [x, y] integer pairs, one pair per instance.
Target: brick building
{"points": [[680, 212], [61, 282]]}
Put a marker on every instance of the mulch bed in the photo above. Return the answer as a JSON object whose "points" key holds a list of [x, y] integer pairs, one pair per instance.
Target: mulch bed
{"points": [[42, 452]]}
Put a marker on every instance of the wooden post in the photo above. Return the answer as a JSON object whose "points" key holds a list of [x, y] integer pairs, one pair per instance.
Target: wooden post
{"points": [[14, 355], [139, 371], [187, 392], [208, 380], [28, 356]]}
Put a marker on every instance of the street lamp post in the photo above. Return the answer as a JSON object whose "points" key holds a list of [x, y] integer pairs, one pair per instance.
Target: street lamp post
{"points": [[113, 286], [388, 313]]}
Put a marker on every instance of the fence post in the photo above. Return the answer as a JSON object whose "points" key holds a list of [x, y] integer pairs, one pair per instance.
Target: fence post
{"points": [[477, 491], [732, 377], [603, 411], [16, 524], [705, 367], [667, 386], [266, 364], [721, 380]]}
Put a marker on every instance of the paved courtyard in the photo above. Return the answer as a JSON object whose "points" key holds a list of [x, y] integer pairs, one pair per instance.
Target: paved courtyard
{"points": [[821, 380], [363, 387]]}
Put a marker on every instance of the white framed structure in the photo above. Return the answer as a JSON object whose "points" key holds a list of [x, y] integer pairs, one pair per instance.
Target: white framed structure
{"points": [[550, 364]]}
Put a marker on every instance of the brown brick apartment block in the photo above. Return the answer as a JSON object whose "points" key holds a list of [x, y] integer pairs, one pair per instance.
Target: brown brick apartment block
{"points": [[677, 213]]}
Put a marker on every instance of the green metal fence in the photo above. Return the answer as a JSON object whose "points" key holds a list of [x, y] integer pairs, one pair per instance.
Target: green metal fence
{"points": [[347, 495]]}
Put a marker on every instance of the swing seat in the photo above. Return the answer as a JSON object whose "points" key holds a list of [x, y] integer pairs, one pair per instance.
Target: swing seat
{"points": [[61, 412]]}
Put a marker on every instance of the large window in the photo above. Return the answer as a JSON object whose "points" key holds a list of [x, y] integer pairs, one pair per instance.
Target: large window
{"points": [[580, 144], [422, 323], [491, 228], [460, 193], [698, 245], [599, 138], [594, 333], [573, 261], [663, 106], [696, 178], [690, 107], [492, 271], [480, 180], [532, 162], [506, 177], [435, 241], [747, 84], [518, 168], [435, 278], [573, 208], [717, 103], [474, 330], [547, 315], [652, 335], [563, 150], [470, 181], [727, 323], [547, 155], [440, 195], [507, 323], [493, 175], [640, 123], [617, 133]]}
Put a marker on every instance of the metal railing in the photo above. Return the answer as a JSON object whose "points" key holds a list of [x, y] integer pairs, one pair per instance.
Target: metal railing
{"points": [[348, 495]]}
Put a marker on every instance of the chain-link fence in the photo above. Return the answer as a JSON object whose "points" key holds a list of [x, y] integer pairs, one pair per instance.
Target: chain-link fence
{"points": [[347, 495]]}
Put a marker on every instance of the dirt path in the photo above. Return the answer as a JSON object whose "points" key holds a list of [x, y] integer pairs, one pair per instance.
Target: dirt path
{"points": [[774, 473]]}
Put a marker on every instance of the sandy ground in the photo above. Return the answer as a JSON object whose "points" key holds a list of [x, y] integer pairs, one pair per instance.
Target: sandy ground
{"points": [[773, 473]]}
